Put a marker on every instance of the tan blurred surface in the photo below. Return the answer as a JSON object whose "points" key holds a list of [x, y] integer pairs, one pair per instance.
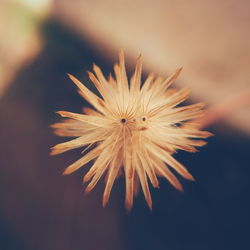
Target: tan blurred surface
{"points": [[20, 41], [211, 39]]}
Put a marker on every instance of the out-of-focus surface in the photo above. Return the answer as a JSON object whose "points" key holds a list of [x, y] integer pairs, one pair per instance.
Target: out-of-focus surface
{"points": [[210, 39], [42, 210], [20, 39]]}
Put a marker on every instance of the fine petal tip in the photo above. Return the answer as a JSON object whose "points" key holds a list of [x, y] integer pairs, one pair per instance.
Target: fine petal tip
{"points": [[65, 172], [59, 112], [70, 76], [62, 113], [139, 57], [86, 178], [210, 134], [150, 205], [128, 206], [179, 187], [207, 134], [88, 189], [191, 178], [90, 74], [52, 152], [95, 68], [70, 169], [121, 52], [85, 192], [202, 143], [104, 201], [177, 72]]}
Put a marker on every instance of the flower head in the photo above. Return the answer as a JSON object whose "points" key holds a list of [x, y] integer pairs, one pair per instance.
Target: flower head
{"points": [[133, 128]]}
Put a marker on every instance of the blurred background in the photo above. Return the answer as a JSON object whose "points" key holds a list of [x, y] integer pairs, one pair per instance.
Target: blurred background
{"points": [[41, 41]]}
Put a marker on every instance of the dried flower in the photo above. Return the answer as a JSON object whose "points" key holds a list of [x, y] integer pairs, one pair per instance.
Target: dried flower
{"points": [[133, 127]]}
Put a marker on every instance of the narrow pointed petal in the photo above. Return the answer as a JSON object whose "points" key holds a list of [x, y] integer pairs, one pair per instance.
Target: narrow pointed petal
{"points": [[147, 164], [93, 120], [166, 84], [82, 161], [112, 81], [72, 129], [97, 84], [129, 177], [110, 147], [99, 75], [78, 142], [136, 79], [124, 79], [115, 166], [136, 184], [171, 78], [89, 111], [191, 133], [147, 84], [163, 170], [97, 175], [161, 86], [166, 157], [99, 167], [144, 183], [183, 110], [88, 95], [179, 168], [196, 143], [172, 101], [104, 89]]}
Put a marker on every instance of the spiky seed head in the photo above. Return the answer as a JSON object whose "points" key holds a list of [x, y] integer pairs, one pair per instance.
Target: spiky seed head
{"points": [[132, 127]]}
